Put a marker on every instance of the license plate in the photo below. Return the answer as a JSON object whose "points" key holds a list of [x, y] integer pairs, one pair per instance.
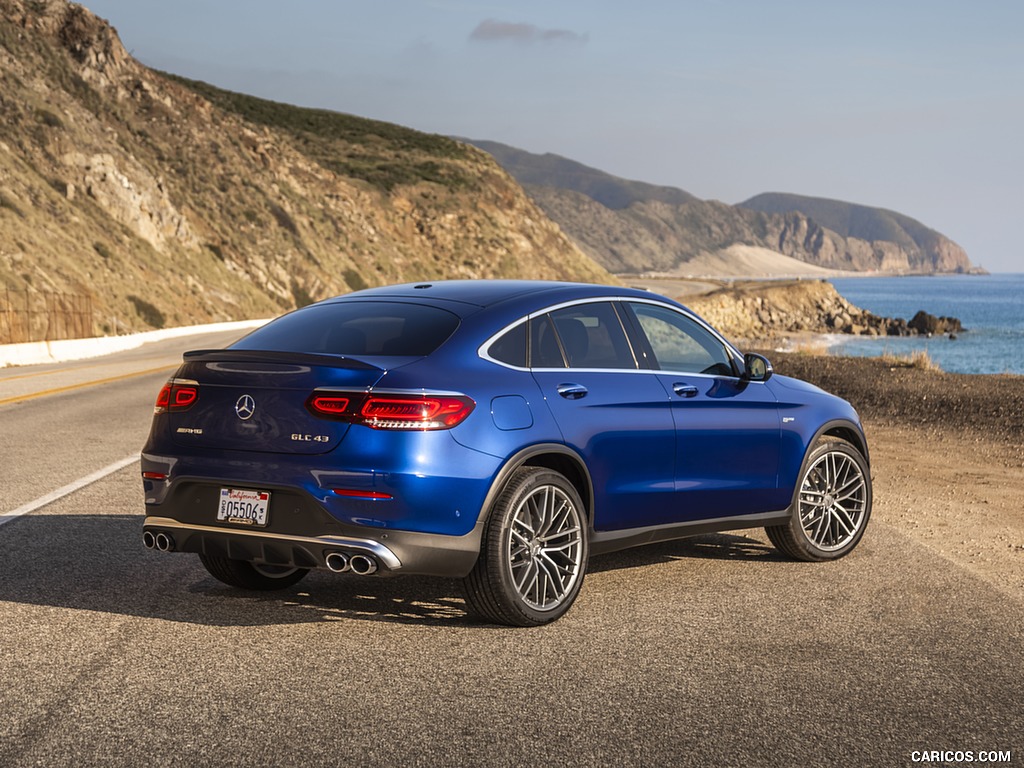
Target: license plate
{"points": [[243, 507]]}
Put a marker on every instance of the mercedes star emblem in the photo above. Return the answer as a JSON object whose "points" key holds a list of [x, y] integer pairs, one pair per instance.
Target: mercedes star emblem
{"points": [[245, 407]]}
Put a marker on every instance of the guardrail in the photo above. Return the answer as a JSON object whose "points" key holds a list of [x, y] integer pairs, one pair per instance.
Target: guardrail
{"points": [[33, 353]]}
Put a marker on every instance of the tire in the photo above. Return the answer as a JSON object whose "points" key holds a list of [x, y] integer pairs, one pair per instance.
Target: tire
{"points": [[831, 506], [534, 552], [246, 575]]}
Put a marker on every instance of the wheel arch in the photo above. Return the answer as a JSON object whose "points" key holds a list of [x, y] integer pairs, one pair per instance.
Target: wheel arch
{"points": [[848, 431], [844, 429], [554, 456]]}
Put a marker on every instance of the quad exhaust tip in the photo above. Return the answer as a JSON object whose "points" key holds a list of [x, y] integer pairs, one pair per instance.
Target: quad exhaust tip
{"points": [[337, 562], [342, 562], [362, 565], [159, 541]]}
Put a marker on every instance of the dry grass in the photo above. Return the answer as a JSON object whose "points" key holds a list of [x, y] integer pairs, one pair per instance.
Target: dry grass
{"points": [[920, 360]]}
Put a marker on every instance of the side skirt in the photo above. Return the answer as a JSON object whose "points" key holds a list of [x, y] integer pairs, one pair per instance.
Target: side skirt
{"points": [[602, 542]]}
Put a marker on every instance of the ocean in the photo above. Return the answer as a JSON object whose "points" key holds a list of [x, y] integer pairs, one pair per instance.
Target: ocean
{"points": [[991, 308]]}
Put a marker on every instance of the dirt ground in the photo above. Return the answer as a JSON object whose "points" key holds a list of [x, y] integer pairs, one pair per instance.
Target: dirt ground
{"points": [[947, 456]]}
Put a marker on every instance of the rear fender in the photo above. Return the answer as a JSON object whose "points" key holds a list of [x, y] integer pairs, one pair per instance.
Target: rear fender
{"points": [[555, 456]]}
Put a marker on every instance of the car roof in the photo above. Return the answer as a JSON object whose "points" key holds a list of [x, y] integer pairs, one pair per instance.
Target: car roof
{"points": [[488, 293]]}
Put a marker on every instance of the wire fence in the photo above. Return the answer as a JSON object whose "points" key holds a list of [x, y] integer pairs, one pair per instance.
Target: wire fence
{"points": [[44, 316]]}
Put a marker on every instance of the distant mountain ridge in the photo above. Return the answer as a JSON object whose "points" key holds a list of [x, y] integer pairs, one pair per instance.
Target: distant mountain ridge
{"points": [[631, 227], [849, 219], [556, 171]]}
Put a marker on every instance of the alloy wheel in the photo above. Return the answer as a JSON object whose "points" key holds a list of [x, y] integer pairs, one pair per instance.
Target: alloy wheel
{"points": [[545, 548], [833, 501]]}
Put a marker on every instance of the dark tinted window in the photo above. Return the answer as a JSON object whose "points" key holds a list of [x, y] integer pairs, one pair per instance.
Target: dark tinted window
{"points": [[592, 336], [510, 347], [545, 351], [356, 328], [681, 344]]}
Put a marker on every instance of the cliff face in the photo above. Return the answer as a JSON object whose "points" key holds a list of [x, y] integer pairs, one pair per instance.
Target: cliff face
{"points": [[172, 202], [840, 235], [629, 227]]}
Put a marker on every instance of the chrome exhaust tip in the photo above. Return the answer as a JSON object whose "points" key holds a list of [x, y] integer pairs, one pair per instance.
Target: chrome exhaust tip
{"points": [[337, 562], [148, 540], [164, 542], [362, 565]]}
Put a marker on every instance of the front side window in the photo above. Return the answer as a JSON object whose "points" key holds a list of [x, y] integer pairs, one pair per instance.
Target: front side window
{"points": [[681, 344]]}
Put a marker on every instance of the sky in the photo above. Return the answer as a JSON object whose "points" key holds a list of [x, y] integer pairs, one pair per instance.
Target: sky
{"points": [[915, 106]]}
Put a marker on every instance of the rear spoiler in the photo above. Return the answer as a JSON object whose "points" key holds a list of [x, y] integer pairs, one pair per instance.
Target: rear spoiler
{"points": [[270, 356]]}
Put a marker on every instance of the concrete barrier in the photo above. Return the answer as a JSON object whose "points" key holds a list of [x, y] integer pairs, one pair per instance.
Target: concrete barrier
{"points": [[35, 352]]}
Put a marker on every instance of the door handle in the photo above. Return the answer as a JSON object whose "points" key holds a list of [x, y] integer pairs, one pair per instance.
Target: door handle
{"points": [[684, 390], [572, 391]]}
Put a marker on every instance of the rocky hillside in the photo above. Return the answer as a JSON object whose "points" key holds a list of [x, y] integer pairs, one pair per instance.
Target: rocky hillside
{"points": [[629, 227], [897, 242], [171, 202], [768, 310]]}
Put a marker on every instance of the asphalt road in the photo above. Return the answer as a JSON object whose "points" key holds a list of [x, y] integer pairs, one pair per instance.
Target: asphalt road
{"points": [[711, 651]]}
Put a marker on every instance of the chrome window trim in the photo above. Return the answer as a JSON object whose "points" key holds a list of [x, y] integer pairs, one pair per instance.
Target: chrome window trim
{"points": [[482, 349], [726, 344]]}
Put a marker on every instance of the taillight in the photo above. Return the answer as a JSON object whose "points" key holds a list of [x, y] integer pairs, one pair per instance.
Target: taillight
{"points": [[415, 412], [328, 405], [176, 395], [393, 410]]}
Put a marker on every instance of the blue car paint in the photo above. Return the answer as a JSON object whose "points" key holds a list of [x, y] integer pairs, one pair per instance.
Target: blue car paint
{"points": [[645, 457]]}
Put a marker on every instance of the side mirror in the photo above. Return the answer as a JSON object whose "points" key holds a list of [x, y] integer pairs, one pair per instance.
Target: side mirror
{"points": [[756, 368]]}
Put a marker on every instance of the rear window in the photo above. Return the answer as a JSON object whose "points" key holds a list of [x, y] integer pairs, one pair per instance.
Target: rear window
{"points": [[356, 328]]}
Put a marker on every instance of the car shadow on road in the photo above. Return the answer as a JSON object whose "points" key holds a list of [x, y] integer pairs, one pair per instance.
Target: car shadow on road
{"points": [[709, 546], [98, 563]]}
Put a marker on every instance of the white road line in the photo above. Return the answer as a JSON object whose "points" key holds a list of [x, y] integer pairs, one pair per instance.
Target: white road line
{"points": [[60, 493]]}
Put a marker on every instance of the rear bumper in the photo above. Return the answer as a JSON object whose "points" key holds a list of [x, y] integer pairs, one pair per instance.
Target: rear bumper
{"points": [[393, 552]]}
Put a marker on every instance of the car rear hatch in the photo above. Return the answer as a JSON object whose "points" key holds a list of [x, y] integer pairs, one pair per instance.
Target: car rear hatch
{"points": [[256, 401]]}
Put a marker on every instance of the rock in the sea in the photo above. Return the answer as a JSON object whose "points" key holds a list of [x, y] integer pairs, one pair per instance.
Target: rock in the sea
{"points": [[929, 325]]}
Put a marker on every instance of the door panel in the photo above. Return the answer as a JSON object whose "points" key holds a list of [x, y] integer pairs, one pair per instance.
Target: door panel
{"points": [[616, 417], [728, 435], [621, 424], [728, 431]]}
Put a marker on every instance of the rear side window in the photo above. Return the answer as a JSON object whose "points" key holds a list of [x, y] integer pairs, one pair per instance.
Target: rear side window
{"points": [[588, 335], [545, 349], [510, 347], [356, 328], [592, 336]]}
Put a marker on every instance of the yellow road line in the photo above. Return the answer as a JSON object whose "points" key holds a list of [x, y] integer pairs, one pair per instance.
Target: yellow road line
{"points": [[84, 384], [54, 372], [58, 371]]}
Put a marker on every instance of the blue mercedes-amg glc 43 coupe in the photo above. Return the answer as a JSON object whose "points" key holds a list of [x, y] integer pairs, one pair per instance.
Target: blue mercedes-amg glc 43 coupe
{"points": [[497, 432]]}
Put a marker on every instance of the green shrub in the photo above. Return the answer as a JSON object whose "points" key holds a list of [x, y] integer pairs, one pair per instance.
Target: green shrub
{"points": [[147, 312], [354, 280], [301, 295], [283, 219], [49, 119], [8, 204]]}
